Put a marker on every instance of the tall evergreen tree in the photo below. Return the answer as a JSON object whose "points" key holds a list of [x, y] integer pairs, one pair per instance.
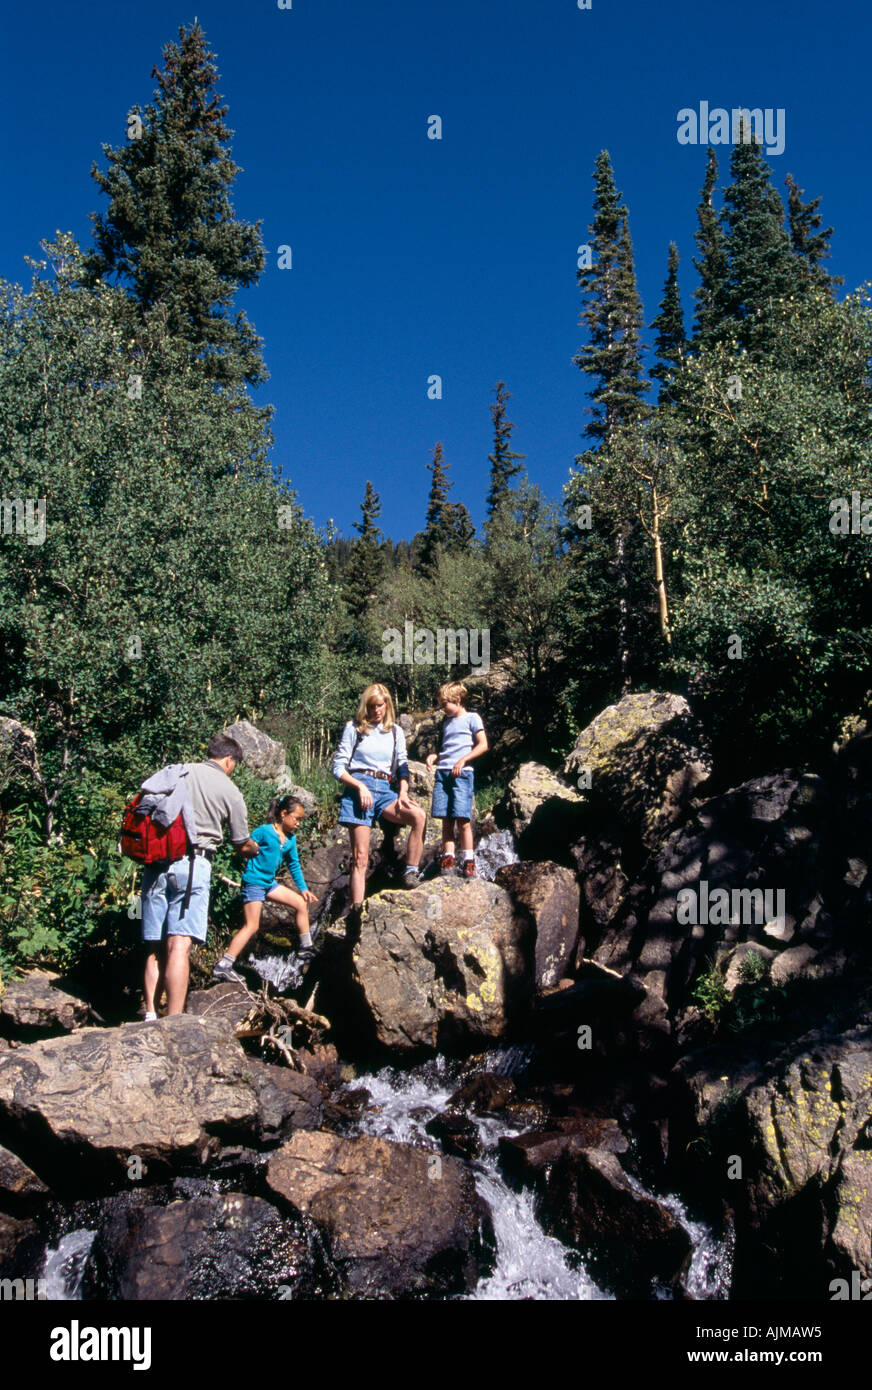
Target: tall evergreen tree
{"points": [[367, 564], [170, 236], [504, 462], [671, 342], [763, 268], [612, 312], [713, 263], [809, 242], [460, 527]]}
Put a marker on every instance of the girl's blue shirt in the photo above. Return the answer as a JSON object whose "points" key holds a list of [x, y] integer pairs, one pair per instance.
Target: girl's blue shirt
{"points": [[263, 868]]}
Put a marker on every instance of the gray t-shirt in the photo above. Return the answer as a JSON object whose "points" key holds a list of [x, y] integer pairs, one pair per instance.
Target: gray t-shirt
{"points": [[217, 803], [458, 737]]}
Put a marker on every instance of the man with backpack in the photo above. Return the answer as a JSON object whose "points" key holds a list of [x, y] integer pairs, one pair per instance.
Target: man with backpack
{"points": [[200, 800]]}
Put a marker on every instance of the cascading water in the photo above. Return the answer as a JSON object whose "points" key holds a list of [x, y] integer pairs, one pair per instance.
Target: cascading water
{"points": [[530, 1264], [65, 1266], [494, 851]]}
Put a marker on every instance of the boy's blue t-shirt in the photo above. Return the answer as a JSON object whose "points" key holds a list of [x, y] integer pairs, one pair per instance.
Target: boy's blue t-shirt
{"points": [[458, 738], [263, 868]]}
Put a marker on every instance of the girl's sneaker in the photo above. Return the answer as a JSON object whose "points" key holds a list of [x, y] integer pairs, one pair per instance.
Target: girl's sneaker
{"points": [[446, 864], [467, 869], [226, 972]]}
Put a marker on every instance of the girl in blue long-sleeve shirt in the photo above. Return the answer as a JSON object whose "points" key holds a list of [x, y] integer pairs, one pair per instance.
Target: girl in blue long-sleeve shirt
{"points": [[277, 839]]}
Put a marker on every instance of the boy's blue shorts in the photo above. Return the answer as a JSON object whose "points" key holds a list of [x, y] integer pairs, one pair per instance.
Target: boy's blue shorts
{"points": [[453, 796], [350, 812]]}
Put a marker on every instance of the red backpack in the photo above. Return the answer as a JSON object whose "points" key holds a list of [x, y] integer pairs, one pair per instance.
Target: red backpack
{"points": [[146, 842]]}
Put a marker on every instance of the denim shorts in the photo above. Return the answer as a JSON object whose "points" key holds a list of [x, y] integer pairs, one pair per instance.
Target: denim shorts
{"points": [[350, 812], [453, 796], [256, 892], [162, 895]]}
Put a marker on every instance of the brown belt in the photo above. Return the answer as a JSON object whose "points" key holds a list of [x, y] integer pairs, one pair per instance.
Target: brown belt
{"points": [[369, 772]]}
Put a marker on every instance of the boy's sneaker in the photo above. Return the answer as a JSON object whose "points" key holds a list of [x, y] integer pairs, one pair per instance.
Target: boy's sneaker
{"points": [[467, 869], [446, 864], [226, 972]]}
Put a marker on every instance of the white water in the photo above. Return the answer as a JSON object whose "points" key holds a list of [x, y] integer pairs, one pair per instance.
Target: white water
{"points": [[65, 1266], [493, 851], [529, 1263]]}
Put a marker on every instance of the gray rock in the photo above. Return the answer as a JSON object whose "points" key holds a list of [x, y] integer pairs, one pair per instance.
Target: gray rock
{"points": [[537, 801], [262, 754], [171, 1093], [41, 1003], [19, 1185], [286, 786], [447, 962], [401, 1221]]}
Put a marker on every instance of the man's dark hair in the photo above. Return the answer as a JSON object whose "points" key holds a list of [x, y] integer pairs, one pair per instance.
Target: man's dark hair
{"points": [[223, 746]]}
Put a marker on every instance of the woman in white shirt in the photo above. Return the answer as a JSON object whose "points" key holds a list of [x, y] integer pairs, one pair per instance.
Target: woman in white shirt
{"points": [[371, 763]]}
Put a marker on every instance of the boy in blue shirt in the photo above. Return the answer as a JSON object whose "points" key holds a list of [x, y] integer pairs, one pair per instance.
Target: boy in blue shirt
{"points": [[463, 738], [277, 839]]}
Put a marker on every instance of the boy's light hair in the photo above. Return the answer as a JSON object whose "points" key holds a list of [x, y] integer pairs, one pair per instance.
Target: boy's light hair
{"points": [[453, 690], [362, 721]]}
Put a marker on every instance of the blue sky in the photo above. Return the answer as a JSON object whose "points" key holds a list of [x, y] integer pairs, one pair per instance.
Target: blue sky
{"points": [[455, 257]]}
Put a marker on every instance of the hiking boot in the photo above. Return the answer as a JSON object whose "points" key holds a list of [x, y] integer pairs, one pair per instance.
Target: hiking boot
{"points": [[446, 864], [468, 869], [226, 972], [412, 877]]}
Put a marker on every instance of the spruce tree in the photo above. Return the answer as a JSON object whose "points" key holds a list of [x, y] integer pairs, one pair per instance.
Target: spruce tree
{"points": [[366, 567], [763, 268], [670, 343], [809, 243], [170, 236], [438, 527], [612, 312], [713, 263], [504, 461]]}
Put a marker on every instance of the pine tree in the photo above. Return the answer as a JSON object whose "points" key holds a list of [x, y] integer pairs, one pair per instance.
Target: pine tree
{"points": [[460, 528], [809, 243], [366, 567], [170, 235], [612, 312], [713, 263], [438, 528], [763, 268], [670, 343], [504, 461]]}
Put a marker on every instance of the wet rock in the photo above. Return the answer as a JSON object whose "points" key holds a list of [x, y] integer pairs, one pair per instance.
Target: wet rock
{"points": [[20, 1249], [171, 1093], [400, 1221], [20, 1188], [42, 1004], [444, 964], [529, 1156], [206, 1247], [550, 894], [260, 753], [631, 1244], [484, 1094], [457, 1135]]}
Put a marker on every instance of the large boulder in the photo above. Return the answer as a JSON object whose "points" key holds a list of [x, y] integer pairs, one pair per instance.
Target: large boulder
{"points": [[549, 894], [543, 813], [42, 1004], [400, 1221], [447, 963], [260, 753], [631, 1243], [20, 1188], [781, 1133], [224, 1245], [171, 1093]]}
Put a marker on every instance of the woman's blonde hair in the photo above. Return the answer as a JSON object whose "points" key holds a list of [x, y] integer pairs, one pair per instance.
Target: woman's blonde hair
{"points": [[362, 720]]}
